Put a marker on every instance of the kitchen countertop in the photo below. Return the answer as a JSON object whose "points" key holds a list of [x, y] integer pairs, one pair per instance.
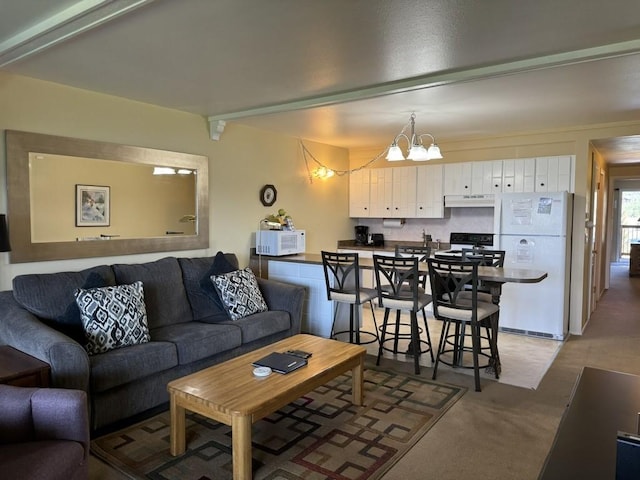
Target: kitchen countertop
{"points": [[492, 274], [389, 245]]}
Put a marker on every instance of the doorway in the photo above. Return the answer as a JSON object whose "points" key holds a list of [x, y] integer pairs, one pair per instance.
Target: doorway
{"points": [[627, 221]]}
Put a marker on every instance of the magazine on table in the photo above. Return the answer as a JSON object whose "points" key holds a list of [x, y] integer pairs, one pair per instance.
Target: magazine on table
{"points": [[281, 362]]}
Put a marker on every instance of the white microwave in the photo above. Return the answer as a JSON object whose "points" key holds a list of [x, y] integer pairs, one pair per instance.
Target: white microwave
{"points": [[280, 242]]}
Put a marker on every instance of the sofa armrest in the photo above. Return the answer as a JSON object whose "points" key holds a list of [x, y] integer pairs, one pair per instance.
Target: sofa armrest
{"points": [[68, 360], [61, 414], [284, 296], [44, 414]]}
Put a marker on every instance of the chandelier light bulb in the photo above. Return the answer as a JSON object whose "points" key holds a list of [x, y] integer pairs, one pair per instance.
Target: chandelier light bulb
{"points": [[434, 152], [395, 153], [417, 151]]}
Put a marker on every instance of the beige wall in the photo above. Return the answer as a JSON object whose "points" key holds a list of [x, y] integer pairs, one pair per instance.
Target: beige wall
{"points": [[239, 165]]}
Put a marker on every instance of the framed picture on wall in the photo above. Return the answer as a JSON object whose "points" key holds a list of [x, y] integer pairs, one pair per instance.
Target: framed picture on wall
{"points": [[92, 206]]}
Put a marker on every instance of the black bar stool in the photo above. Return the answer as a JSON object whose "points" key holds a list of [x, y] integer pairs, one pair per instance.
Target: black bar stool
{"points": [[397, 281], [342, 279], [454, 286]]}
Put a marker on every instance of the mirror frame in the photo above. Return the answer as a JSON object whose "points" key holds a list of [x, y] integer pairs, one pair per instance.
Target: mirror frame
{"points": [[20, 144]]}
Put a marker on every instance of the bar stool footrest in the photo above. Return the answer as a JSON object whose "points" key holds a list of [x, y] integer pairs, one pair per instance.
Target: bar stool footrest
{"points": [[371, 337]]}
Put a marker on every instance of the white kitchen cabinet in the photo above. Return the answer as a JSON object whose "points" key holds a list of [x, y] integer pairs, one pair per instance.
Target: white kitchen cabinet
{"points": [[403, 192], [393, 192], [518, 175], [486, 177], [554, 174], [381, 191], [429, 192], [509, 175], [457, 178], [359, 203], [480, 177], [496, 176]]}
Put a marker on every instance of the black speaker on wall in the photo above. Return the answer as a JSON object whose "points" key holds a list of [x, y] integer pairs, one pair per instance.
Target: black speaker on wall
{"points": [[5, 246]]}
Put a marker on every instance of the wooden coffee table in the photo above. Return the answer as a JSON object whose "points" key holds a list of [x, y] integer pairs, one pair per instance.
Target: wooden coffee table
{"points": [[229, 392]]}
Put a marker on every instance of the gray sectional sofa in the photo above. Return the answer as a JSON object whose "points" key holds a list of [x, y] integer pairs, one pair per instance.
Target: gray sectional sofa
{"points": [[189, 329]]}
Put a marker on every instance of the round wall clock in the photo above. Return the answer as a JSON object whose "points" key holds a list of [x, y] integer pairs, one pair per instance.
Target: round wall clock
{"points": [[268, 195]]}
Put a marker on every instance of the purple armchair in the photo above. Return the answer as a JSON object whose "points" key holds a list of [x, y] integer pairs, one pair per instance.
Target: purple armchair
{"points": [[44, 433]]}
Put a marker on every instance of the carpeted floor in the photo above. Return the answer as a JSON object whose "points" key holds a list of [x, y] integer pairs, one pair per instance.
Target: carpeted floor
{"points": [[319, 436], [506, 432]]}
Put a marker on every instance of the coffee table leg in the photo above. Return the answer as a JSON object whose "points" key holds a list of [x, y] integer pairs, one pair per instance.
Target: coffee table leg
{"points": [[241, 445], [178, 426], [357, 374]]}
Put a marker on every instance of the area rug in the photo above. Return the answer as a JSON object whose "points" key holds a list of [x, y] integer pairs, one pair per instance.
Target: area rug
{"points": [[320, 436]]}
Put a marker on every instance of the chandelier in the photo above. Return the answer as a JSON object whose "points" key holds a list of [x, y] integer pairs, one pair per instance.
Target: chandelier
{"points": [[417, 151]]}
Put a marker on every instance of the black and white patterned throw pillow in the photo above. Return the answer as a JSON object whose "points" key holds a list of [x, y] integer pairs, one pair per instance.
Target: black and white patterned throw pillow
{"points": [[113, 317], [239, 293]]}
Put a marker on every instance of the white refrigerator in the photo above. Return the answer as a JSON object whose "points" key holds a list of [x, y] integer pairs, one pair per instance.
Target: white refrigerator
{"points": [[534, 229]]}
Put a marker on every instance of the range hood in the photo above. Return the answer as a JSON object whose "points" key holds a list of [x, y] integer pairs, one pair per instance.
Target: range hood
{"points": [[453, 201]]}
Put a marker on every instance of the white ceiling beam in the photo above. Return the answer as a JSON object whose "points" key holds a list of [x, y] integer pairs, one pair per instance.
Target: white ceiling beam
{"points": [[440, 78], [74, 20]]}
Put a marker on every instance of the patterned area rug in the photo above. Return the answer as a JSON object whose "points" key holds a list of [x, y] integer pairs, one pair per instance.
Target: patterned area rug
{"points": [[319, 436]]}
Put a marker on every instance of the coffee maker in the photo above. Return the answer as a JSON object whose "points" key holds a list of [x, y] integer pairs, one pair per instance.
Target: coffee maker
{"points": [[362, 235]]}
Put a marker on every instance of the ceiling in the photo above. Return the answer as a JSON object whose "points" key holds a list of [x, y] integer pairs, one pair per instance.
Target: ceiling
{"points": [[347, 73]]}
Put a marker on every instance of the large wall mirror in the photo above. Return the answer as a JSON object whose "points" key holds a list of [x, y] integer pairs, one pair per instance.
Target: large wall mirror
{"points": [[72, 198]]}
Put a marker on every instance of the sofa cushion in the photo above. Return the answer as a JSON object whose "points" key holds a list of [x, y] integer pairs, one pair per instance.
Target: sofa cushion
{"points": [[113, 317], [240, 293], [50, 296], [262, 325], [50, 459], [164, 293], [203, 297], [198, 340], [219, 266], [124, 365]]}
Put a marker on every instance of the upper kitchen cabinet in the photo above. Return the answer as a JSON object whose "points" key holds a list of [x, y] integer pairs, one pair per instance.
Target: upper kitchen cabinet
{"points": [[393, 192], [385, 192], [404, 192], [486, 177], [419, 191], [518, 175], [553, 174], [429, 197], [380, 185], [359, 204], [457, 178]]}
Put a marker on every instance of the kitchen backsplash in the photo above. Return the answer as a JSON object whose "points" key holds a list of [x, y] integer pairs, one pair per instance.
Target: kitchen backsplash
{"points": [[476, 220]]}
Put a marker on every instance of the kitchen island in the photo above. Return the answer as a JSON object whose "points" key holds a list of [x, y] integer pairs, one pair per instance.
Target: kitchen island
{"points": [[306, 270]]}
